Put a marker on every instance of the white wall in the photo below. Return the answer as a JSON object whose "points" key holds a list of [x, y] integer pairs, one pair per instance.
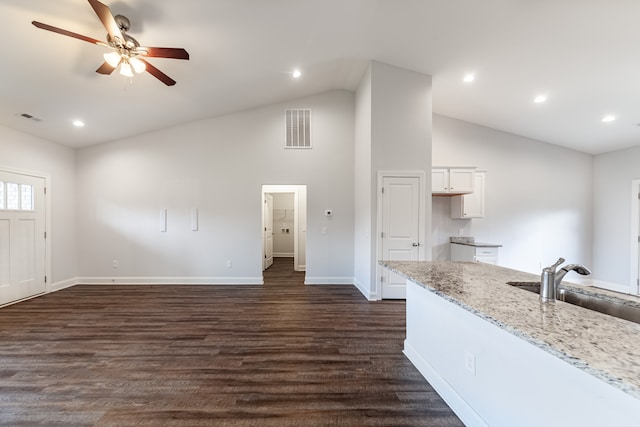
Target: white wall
{"points": [[393, 133], [538, 200], [612, 176], [363, 267], [219, 166], [25, 152]]}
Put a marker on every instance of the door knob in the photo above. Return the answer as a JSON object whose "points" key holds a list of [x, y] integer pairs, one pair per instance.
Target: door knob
{"points": [[415, 245]]}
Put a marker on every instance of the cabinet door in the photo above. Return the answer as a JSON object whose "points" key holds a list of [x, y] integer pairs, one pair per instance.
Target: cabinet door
{"points": [[474, 202], [439, 180], [461, 180], [470, 205]]}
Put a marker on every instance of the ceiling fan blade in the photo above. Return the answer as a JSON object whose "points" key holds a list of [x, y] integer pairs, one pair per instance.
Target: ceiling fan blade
{"points": [[105, 68], [68, 33], [158, 74], [164, 52], [105, 15]]}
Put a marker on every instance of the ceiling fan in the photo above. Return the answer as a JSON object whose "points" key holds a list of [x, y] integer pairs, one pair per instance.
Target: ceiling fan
{"points": [[126, 51]]}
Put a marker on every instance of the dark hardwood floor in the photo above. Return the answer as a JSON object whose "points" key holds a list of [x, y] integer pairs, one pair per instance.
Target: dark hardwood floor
{"points": [[283, 354]]}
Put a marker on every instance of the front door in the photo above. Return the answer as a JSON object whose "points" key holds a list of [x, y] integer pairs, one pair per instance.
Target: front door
{"points": [[22, 236], [400, 229]]}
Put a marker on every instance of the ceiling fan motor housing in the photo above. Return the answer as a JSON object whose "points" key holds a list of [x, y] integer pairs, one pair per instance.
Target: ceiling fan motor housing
{"points": [[123, 22]]}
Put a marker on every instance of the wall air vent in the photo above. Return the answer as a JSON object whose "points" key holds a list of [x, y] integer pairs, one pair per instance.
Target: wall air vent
{"points": [[29, 117], [298, 128]]}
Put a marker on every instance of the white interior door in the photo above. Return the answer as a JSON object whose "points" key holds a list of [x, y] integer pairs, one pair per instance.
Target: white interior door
{"points": [[268, 231], [400, 229], [22, 236]]}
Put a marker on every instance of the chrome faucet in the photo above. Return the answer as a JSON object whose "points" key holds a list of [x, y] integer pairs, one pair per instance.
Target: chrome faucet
{"points": [[550, 279]]}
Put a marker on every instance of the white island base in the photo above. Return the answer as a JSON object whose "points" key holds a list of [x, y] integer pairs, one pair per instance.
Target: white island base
{"points": [[490, 377]]}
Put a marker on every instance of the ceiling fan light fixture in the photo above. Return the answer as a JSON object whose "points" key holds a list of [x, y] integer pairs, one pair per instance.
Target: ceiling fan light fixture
{"points": [[138, 65], [125, 69], [124, 48], [540, 99], [112, 58]]}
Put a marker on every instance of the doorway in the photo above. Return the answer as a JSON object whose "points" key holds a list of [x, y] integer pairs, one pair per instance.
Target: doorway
{"points": [[284, 225]]}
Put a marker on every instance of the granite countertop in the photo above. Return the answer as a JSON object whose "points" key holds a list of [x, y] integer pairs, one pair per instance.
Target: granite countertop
{"points": [[479, 244], [471, 241], [602, 345]]}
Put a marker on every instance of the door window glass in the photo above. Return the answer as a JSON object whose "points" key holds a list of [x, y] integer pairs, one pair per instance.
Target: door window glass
{"points": [[13, 196], [26, 197], [16, 196]]}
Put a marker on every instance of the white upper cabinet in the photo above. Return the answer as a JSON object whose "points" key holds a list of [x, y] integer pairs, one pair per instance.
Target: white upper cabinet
{"points": [[470, 205], [439, 180], [452, 180]]}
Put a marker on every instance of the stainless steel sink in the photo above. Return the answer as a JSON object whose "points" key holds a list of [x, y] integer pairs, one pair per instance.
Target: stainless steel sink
{"points": [[608, 306], [527, 286]]}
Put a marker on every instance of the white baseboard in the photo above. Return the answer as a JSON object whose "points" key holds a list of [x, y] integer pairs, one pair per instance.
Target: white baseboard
{"points": [[328, 280], [283, 255], [170, 280], [466, 414], [63, 284], [371, 296]]}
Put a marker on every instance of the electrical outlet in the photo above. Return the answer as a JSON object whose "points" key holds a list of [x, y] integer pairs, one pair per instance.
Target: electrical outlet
{"points": [[115, 263], [229, 264], [470, 363]]}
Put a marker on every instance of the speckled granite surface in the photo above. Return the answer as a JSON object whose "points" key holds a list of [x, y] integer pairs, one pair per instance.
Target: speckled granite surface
{"points": [[604, 346], [470, 241]]}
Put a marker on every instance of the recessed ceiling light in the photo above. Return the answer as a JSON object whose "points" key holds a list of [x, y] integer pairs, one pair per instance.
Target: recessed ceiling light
{"points": [[608, 118], [296, 74], [540, 99], [78, 123], [469, 78]]}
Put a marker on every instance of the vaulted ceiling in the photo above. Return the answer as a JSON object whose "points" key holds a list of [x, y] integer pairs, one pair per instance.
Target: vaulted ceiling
{"points": [[584, 55]]}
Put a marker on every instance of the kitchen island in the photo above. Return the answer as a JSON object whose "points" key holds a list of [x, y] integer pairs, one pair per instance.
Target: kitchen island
{"points": [[500, 357]]}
